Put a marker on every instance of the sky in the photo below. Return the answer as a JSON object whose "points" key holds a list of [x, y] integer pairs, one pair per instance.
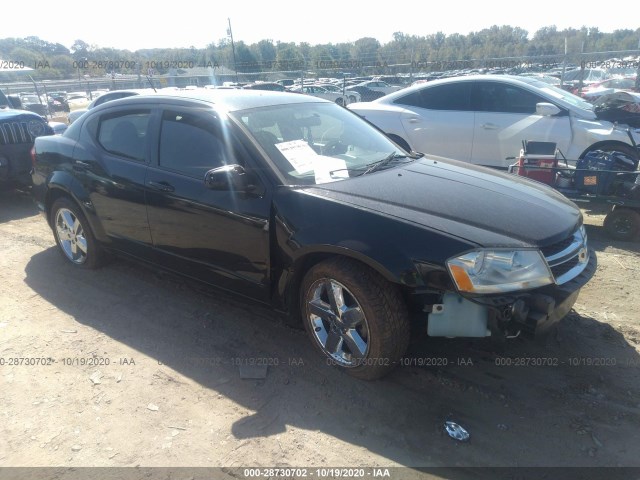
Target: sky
{"points": [[135, 24]]}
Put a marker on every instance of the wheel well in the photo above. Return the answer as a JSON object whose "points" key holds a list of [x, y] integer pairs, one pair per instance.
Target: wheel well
{"points": [[400, 141], [300, 269], [608, 144], [52, 196]]}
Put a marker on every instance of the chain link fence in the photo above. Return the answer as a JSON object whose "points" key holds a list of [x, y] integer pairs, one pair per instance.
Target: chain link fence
{"points": [[572, 69]]}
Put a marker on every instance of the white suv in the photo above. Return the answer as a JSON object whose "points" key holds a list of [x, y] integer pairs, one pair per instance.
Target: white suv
{"points": [[483, 119]]}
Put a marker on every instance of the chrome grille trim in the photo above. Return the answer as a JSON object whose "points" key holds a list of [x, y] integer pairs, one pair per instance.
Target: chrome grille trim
{"points": [[576, 254], [14, 133]]}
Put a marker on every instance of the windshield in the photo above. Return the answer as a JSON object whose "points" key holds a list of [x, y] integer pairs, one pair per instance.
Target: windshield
{"points": [[558, 93], [30, 99], [312, 143], [562, 95]]}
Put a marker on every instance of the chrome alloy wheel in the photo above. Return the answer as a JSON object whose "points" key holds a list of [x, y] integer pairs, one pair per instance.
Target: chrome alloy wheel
{"points": [[71, 236], [338, 322]]}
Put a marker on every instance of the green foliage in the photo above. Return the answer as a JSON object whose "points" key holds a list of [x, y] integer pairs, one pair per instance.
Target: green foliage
{"points": [[55, 61]]}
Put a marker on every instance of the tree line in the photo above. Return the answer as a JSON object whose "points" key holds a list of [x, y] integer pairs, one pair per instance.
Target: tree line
{"points": [[55, 61]]}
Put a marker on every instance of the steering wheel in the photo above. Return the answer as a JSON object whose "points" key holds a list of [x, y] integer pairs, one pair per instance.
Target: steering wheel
{"points": [[331, 147]]}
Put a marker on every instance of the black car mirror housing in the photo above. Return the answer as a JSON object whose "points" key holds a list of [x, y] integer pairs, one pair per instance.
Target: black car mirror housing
{"points": [[230, 177]]}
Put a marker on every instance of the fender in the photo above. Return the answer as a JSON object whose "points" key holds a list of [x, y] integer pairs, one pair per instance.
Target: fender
{"points": [[300, 241], [61, 183]]}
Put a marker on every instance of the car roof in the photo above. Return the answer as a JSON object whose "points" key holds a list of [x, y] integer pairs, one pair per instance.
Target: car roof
{"points": [[530, 82], [225, 99], [551, 93]]}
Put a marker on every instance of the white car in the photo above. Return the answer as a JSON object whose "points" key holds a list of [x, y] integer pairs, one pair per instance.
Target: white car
{"points": [[484, 119], [352, 95], [321, 92]]}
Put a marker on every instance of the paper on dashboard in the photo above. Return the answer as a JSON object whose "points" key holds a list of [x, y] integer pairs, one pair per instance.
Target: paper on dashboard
{"points": [[329, 169], [299, 154], [304, 159]]}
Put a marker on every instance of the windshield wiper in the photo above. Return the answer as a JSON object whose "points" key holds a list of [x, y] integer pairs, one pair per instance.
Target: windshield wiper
{"points": [[386, 161], [379, 164]]}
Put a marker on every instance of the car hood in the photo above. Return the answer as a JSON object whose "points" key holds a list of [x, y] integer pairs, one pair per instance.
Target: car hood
{"points": [[479, 205], [375, 106], [19, 115]]}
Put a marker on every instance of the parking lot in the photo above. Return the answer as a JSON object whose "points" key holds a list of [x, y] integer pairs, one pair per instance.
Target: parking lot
{"points": [[130, 366]]}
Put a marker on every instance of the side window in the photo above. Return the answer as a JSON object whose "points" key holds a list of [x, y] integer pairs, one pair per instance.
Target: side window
{"points": [[124, 133], [453, 96], [503, 98], [191, 144]]}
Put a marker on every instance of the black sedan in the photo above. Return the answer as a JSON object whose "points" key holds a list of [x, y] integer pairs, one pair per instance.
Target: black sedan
{"points": [[298, 203]]}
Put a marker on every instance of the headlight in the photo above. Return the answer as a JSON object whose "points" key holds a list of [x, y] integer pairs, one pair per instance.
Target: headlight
{"points": [[36, 128], [499, 271]]}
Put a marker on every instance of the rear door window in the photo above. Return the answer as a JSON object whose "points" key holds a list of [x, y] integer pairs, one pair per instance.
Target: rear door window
{"points": [[452, 96], [124, 133]]}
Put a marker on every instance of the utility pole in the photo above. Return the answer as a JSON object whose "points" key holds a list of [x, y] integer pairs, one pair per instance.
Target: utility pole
{"points": [[638, 68], [564, 63], [233, 49]]}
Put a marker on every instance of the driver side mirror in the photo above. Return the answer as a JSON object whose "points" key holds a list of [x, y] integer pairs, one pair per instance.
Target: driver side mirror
{"points": [[232, 178], [547, 109]]}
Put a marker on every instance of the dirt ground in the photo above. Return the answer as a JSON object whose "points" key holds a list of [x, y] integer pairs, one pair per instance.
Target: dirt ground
{"points": [[128, 366]]}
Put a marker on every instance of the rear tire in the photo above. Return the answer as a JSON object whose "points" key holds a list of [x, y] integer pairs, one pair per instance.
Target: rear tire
{"points": [[622, 224], [354, 317], [73, 235]]}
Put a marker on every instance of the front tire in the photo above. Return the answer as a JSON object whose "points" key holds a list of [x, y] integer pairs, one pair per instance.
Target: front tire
{"points": [[622, 224], [73, 235], [355, 318]]}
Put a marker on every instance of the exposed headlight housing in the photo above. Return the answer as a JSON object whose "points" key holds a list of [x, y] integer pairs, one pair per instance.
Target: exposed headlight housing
{"points": [[36, 128], [499, 271]]}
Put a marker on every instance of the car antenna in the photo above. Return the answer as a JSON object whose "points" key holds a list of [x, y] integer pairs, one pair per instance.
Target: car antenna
{"points": [[35, 86], [151, 83]]}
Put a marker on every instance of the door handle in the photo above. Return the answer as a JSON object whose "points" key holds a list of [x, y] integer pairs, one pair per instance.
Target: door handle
{"points": [[414, 120], [490, 126], [161, 186], [81, 165]]}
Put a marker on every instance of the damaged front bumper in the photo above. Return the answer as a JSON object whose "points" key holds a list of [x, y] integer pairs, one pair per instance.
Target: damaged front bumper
{"points": [[526, 313], [536, 312]]}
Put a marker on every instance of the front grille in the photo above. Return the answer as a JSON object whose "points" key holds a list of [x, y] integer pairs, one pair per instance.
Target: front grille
{"points": [[563, 268], [12, 133], [568, 258], [557, 247]]}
